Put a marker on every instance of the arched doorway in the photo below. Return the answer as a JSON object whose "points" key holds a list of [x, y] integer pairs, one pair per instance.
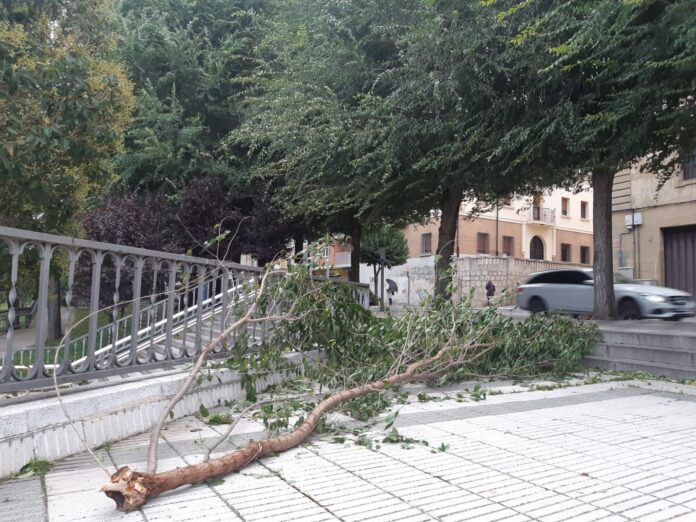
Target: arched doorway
{"points": [[536, 248]]}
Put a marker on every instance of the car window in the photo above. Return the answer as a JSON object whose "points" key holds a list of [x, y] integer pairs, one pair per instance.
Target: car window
{"points": [[577, 277], [618, 278], [539, 278], [567, 277], [560, 277]]}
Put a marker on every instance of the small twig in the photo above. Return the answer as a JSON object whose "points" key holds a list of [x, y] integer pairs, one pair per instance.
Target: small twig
{"points": [[246, 410]]}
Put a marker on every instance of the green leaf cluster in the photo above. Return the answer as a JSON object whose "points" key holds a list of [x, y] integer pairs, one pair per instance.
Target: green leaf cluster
{"points": [[64, 106], [360, 348]]}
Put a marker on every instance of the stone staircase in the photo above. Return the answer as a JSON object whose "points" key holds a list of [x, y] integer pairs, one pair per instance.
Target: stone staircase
{"points": [[655, 347]]}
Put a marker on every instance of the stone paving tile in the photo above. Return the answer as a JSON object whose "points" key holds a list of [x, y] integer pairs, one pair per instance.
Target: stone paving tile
{"points": [[577, 454], [21, 500]]}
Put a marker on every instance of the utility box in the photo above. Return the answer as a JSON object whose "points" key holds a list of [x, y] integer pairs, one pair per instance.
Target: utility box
{"points": [[632, 220]]}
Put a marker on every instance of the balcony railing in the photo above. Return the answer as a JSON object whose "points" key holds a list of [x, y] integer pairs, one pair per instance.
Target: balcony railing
{"points": [[162, 308], [541, 215]]}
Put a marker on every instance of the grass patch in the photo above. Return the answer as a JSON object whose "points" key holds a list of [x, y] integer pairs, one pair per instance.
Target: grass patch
{"points": [[34, 467], [218, 419]]}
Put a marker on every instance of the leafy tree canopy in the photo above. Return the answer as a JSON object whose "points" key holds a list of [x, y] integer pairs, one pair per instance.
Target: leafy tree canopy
{"points": [[64, 106], [188, 60], [204, 210], [388, 237], [615, 82], [306, 125]]}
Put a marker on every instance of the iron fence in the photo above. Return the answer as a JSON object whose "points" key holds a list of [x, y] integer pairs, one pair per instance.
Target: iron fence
{"points": [[162, 308]]}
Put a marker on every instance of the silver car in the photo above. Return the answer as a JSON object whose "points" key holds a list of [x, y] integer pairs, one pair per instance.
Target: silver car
{"points": [[572, 291]]}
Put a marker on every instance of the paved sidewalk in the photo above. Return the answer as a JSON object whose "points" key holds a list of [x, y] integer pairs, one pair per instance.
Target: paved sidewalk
{"points": [[610, 452]]}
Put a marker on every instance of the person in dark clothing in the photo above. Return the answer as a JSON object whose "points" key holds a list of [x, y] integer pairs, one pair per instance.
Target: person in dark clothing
{"points": [[490, 291]]}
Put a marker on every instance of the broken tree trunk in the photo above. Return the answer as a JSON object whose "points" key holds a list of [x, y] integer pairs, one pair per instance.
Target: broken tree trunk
{"points": [[131, 489]]}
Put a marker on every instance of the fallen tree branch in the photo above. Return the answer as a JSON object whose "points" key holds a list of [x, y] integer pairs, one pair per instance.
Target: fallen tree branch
{"points": [[193, 374], [233, 425], [131, 489]]}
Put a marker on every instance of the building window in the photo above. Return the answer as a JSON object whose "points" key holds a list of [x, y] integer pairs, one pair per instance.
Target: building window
{"points": [[689, 165], [565, 252], [536, 248], [426, 244], [508, 246], [585, 255], [564, 206], [507, 202], [583, 209], [482, 246]]}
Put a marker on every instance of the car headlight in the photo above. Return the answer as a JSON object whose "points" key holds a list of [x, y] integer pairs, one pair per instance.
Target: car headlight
{"points": [[654, 298]]}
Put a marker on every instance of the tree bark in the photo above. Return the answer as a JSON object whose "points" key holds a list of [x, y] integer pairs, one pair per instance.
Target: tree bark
{"points": [[450, 202], [131, 489], [375, 271], [604, 299], [54, 330], [355, 240]]}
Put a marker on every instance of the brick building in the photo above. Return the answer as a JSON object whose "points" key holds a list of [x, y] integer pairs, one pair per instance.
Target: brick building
{"points": [[554, 226]]}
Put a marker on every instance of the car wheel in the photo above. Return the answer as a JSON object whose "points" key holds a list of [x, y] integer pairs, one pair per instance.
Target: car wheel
{"points": [[672, 318], [536, 305], [629, 310]]}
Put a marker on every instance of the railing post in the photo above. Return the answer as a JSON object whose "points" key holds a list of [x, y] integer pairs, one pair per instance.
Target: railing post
{"points": [[8, 361], [185, 327], [199, 309], [171, 289], [152, 316], [225, 307], [138, 264], [45, 254], [211, 296], [116, 299], [97, 259], [72, 262]]}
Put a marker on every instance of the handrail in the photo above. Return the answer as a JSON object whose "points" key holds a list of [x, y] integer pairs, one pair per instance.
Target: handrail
{"points": [[30, 236]]}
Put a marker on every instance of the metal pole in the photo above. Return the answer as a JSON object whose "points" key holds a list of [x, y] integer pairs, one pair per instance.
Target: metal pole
{"points": [[633, 233], [382, 259], [497, 208], [408, 288], [328, 253]]}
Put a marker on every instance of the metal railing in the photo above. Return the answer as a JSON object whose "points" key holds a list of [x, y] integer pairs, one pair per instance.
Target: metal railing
{"points": [[175, 304], [542, 215], [162, 308]]}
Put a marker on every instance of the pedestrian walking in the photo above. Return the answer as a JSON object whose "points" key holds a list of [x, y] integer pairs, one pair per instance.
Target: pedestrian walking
{"points": [[490, 291]]}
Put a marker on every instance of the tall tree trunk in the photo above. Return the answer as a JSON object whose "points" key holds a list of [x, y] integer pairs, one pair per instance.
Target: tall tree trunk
{"points": [[604, 299], [375, 271], [355, 240], [450, 201], [54, 330]]}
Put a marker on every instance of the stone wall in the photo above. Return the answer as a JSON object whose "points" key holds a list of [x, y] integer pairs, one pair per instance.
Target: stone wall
{"points": [[416, 279], [506, 273]]}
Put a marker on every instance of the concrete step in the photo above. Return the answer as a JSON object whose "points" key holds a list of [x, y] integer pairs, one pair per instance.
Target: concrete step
{"points": [[37, 427], [630, 365], [645, 333], [663, 355]]}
